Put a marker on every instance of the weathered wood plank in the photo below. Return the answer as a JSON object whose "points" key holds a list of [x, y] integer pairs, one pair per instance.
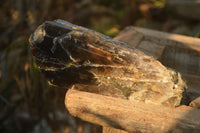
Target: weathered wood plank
{"points": [[179, 52], [160, 38], [193, 83], [184, 60], [131, 116]]}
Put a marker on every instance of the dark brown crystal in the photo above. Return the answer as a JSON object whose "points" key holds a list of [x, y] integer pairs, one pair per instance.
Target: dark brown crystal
{"points": [[73, 55]]}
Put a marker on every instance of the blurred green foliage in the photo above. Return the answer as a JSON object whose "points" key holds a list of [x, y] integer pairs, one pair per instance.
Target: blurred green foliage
{"points": [[159, 3]]}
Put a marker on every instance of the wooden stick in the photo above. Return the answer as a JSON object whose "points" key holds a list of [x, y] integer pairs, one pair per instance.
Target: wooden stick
{"points": [[113, 130], [131, 116]]}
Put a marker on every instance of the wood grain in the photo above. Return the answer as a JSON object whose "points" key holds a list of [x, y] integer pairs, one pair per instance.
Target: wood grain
{"points": [[131, 116], [113, 130]]}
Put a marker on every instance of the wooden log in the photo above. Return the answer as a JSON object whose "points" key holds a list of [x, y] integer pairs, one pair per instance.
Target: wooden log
{"points": [[193, 83], [133, 36], [113, 130], [131, 116], [158, 44]]}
